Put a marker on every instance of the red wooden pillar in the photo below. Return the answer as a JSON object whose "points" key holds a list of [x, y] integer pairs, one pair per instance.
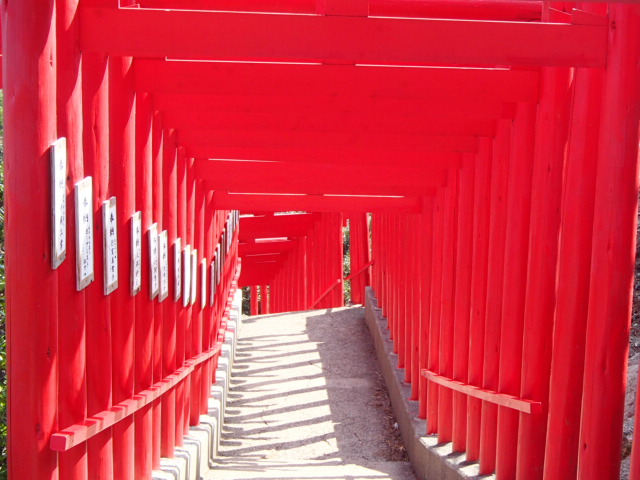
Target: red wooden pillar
{"points": [[72, 387], [497, 233], [196, 338], [168, 305], [181, 316], [254, 300], [425, 259], [143, 303], [96, 165], [515, 278], [436, 308], [189, 325], [551, 136], [207, 326], [162, 415], [121, 183], [567, 365], [445, 400], [482, 197], [462, 307], [415, 287], [613, 253], [32, 292]]}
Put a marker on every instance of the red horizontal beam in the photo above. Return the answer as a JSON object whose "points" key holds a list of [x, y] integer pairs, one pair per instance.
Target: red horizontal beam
{"points": [[437, 150], [234, 139], [528, 10], [258, 274], [317, 203], [294, 225], [253, 248], [273, 177], [356, 122], [335, 39], [338, 81], [264, 258], [502, 399]]}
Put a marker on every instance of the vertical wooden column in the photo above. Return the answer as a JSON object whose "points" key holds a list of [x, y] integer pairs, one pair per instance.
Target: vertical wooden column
{"points": [[613, 252], [32, 294], [254, 300], [72, 387], [495, 278], [122, 186], [415, 287], [462, 307], [551, 137], [189, 325], [144, 305], [514, 286], [207, 327], [196, 334], [98, 353], [436, 309], [169, 305], [482, 197], [181, 333], [160, 421], [425, 259], [567, 364], [445, 397]]}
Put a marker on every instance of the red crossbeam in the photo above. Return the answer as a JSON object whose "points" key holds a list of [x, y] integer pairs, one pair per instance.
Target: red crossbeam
{"points": [[317, 203], [522, 405], [334, 39], [295, 225]]}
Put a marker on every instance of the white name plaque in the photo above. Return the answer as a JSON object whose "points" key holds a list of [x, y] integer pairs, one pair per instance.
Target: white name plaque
{"points": [[164, 265], [186, 284], [177, 267], [110, 245], [58, 158], [136, 253], [154, 274], [83, 194]]}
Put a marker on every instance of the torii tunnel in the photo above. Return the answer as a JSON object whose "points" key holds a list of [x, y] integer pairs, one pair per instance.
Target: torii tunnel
{"points": [[151, 148]]}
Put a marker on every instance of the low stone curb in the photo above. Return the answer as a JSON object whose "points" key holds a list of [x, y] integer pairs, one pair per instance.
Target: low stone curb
{"points": [[430, 460], [193, 460]]}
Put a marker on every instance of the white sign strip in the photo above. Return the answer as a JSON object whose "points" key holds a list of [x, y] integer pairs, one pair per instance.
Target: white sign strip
{"points": [[194, 275], [154, 274], [110, 245], [83, 194], [164, 265], [136, 253], [186, 284], [212, 296], [177, 268], [58, 159], [203, 283]]}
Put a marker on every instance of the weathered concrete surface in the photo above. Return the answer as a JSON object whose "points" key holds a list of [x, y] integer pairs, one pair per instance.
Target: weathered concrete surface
{"points": [[431, 460], [305, 402]]}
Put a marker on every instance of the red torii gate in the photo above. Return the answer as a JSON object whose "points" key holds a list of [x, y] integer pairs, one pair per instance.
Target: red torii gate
{"points": [[447, 120]]}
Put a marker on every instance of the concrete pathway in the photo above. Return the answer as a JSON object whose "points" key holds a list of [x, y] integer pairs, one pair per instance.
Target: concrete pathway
{"points": [[307, 402]]}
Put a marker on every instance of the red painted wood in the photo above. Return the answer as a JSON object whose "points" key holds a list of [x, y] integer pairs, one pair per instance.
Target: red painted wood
{"points": [[32, 292], [331, 39], [72, 385], [169, 213], [196, 338], [449, 296], [279, 226], [482, 201], [495, 278], [507, 401], [567, 366], [121, 185], [96, 165], [143, 305], [426, 283], [462, 306], [551, 137], [515, 278], [613, 252]]}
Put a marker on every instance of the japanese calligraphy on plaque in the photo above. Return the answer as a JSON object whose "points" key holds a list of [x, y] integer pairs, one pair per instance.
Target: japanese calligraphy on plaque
{"points": [[164, 265], [212, 268], [194, 275], [186, 262], [219, 264], [136, 253], [203, 283], [177, 267], [110, 245], [83, 195], [58, 159], [154, 257]]}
